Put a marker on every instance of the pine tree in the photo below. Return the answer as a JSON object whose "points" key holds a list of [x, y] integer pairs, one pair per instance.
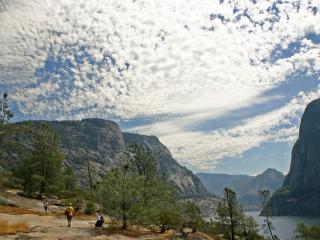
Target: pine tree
{"points": [[41, 172], [7, 143], [233, 221], [7, 129], [121, 194]]}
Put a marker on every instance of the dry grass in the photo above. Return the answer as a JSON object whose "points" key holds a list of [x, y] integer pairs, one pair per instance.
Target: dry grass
{"points": [[119, 231], [128, 232], [12, 228], [132, 231], [17, 210], [200, 235]]}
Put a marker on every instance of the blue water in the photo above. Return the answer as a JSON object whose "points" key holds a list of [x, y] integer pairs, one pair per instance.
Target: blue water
{"points": [[285, 225]]}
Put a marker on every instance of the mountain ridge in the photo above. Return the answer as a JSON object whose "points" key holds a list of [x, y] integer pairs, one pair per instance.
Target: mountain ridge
{"points": [[245, 186], [96, 142]]}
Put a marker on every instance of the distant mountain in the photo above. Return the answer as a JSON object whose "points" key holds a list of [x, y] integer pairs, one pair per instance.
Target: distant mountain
{"points": [[216, 182], [99, 141], [300, 192], [246, 187]]}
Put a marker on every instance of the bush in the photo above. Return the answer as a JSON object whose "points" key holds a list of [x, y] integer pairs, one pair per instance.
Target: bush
{"points": [[305, 232], [90, 208], [4, 202], [7, 180]]}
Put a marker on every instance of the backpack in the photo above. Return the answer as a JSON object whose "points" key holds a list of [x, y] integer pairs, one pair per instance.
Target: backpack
{"points": [[102, 219]]}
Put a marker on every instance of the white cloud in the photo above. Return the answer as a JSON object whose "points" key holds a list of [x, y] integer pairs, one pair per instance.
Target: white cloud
{"points": [[123, 59]]}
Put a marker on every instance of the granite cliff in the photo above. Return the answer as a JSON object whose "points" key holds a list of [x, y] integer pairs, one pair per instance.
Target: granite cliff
{"points": [[188, 184], [96, 143], [300, 192]]}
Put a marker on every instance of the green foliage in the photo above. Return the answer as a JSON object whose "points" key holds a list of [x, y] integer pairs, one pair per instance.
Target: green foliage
{"points": [[229, 212], [161, 207], [69, 181], [41, 171], [304, 232], [90, 208], [135, 193], [189, 217], [8, 130], [77, 199], [232, 220], [129, 192], [143, 162], [4, 202], [121, 194], [5, 113], [8, 180]]}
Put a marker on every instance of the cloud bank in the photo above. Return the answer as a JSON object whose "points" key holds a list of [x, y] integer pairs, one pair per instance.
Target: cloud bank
{"points": [[178, 63]]}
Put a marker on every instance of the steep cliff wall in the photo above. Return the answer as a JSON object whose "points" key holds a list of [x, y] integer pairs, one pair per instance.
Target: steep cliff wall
{"points": [[300, 193]]}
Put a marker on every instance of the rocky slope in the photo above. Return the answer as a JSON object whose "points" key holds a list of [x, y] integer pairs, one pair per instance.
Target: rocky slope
{"points": [[246, 187], [189, 185], [96, 143], [300, 192]]}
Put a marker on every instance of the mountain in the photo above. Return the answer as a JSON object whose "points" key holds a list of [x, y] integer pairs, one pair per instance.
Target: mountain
{"points": [[188, 183], [248, 191], [300, 192], [246, 187], [216, 182], [96, 143]]}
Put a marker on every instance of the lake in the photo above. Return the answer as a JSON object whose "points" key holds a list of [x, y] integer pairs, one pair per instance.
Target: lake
{"points": [[285, 225]]}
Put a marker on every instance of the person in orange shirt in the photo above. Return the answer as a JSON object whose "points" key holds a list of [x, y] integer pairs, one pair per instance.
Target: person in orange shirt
{"points": [[69, 212]]}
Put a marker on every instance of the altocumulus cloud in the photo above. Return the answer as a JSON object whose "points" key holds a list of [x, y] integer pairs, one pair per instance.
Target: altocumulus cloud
{"points": [[190, 61]]}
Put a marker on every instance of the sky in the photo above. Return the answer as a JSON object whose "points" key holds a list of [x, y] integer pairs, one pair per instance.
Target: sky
{"points": [[223, 84]]}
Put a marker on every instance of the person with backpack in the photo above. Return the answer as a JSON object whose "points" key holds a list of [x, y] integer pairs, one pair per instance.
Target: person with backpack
{"points": [[100, 221], [69, 212]]}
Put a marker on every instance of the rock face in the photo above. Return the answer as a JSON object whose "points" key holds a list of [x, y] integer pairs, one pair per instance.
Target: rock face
{"points": [[300, 192], [96, 143], [246, 187], [187, 183]]}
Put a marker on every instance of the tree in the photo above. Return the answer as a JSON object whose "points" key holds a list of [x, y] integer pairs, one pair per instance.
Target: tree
{"points": [[233, 221], [189, 217], [69, 180], [264, 199], [7, 142], [304, 232], [5, 112], [143, 162], [161, 207], [125, 189], [249, 227], [41, 172], [7, 129], [231, 204], [121, 194]]}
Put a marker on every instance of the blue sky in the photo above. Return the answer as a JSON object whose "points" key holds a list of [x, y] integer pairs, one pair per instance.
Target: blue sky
{"points": [[223, 84]]}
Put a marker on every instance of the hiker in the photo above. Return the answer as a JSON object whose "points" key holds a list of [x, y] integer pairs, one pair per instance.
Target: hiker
{"points": [[46, 206], [100, 221], [69, 213]]}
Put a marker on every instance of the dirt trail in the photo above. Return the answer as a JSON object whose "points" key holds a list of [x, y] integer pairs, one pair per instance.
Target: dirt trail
{"points": [[53, 226]]}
